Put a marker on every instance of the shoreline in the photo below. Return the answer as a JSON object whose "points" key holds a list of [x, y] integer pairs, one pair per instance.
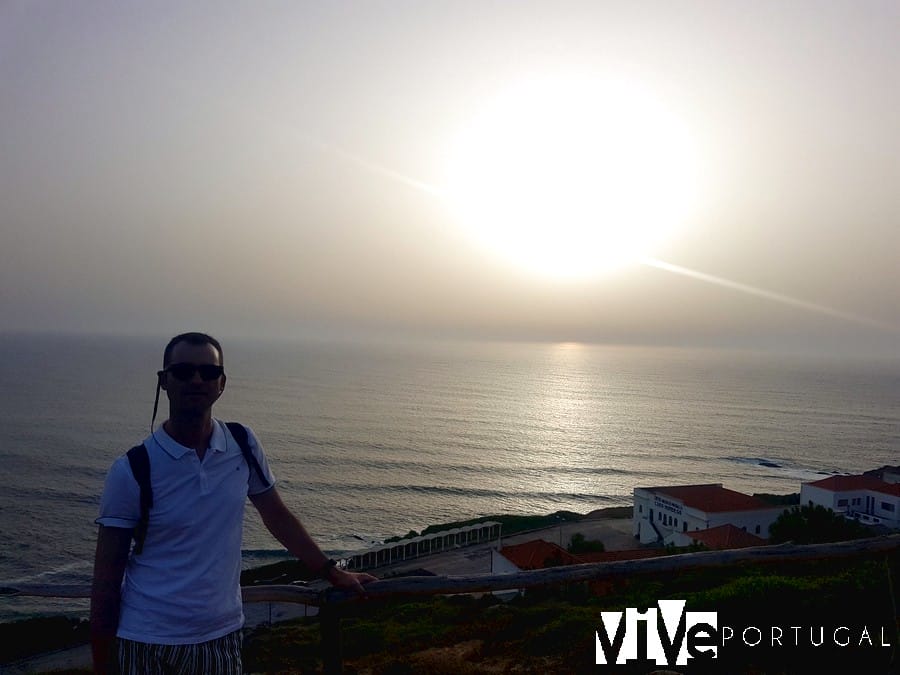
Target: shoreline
{"points": [[60, 651]]}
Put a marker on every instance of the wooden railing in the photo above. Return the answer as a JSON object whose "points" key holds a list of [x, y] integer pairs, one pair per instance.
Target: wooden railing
{"points": [[329, 600]]}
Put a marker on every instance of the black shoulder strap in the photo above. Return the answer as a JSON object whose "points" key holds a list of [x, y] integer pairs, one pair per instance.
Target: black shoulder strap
{"points": [[140, 467], [139, 460], [239, 431]]}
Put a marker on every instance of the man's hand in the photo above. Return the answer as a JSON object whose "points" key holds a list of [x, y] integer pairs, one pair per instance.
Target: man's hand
{"points": [[350, 581]]}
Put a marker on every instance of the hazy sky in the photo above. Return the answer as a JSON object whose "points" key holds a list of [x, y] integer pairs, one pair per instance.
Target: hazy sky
{"points": [[281, 168]]}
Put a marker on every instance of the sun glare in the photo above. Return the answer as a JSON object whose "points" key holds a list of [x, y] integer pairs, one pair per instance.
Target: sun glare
{"points": [[572, 177]]}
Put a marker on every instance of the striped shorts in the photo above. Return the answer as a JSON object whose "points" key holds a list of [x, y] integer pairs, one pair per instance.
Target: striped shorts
{"points": [[221, 656]]}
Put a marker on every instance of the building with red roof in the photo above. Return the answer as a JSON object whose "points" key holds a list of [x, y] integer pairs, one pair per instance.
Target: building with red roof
{"points": [[537, 554], [723, 538], [661, 513], [864, 498]]}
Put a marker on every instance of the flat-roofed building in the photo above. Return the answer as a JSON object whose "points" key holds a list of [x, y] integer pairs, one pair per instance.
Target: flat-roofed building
{"points": [[662, 512], [403, 550], [864, 498]]}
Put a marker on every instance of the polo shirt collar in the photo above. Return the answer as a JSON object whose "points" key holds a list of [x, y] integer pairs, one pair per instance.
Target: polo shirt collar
{"points": [[217, 443]]}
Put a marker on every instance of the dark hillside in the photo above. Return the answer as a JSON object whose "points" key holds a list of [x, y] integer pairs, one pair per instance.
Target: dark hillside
{"points": [[553, 630]]}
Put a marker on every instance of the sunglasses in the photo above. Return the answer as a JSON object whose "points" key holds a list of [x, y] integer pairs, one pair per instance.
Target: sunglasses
{"points": [[185, 371]]}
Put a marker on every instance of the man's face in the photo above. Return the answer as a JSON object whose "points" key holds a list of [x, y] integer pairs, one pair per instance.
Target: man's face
{"points": [[193, 395]]}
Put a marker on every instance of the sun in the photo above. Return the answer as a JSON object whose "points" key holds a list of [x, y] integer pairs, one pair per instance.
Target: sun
{"points": [[572, 176]]}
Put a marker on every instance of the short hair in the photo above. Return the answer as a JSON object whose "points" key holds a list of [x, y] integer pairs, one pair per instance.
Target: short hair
{"points": [[192, 338]]}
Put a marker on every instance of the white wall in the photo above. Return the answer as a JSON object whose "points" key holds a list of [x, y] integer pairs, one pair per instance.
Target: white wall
{"points": [[830, 500], [755, 522], [892, 517], [670, 518], [501, 564]]}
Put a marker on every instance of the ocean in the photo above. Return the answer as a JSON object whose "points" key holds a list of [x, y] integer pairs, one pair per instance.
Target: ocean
{"points": [[371, 440]]}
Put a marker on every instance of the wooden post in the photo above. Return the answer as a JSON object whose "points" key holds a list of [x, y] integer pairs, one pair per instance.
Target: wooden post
{"points": [[330, 628]]}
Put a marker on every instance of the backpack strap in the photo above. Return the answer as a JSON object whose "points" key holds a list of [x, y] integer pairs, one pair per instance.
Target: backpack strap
{"points": [[239, 431], [139, 460], [140, 467]]}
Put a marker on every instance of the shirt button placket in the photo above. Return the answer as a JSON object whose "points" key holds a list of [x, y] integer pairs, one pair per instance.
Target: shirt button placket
{"points": [[204, 479]]}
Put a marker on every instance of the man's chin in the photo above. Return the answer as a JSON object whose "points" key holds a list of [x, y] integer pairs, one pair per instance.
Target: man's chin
{"points": [[195, 407]]}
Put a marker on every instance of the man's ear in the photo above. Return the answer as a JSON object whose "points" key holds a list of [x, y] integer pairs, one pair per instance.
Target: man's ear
{"points": [[161, 379], [222, 383]]}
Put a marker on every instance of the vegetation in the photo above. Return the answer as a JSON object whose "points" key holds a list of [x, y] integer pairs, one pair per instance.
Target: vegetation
{"points": [[412, 534], [552, 630], [792, 499], [814, 525], [616, 512], [578, 544]]}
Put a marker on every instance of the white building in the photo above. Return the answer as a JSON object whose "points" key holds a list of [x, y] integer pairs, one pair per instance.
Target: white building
{"points": [[864, 498], [660, 513], [889, 474]]}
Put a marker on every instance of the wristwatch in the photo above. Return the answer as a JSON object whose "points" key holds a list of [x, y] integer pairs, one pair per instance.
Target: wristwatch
{"points": [[326, 568]]}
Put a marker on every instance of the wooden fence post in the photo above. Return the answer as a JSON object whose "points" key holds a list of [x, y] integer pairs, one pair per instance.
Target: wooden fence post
{"points": [[330, 628]]}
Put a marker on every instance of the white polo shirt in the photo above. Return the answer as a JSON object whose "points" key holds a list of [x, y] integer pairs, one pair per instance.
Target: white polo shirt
{"points": [[184, 587]]}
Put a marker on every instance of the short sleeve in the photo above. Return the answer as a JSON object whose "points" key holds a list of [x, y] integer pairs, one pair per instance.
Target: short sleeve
{"points": [[120, 503], [256, 485]]}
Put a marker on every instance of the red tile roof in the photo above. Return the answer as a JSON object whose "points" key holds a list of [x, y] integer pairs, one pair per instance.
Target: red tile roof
{"points": [[725, 537], [535, 554], [712, 498], [849, 483]]}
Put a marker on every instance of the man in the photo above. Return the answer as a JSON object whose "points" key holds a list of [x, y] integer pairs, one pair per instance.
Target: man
{"points": [[179, 607]]}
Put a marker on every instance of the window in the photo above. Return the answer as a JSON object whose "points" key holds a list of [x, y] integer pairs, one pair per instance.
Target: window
{"points": [[887, 506], [842, 502], [757, 529], [640, 508], [684, 528]]}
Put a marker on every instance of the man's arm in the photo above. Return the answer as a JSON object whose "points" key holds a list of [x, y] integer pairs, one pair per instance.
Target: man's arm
{"points": [[113, 544], [287, 529]]}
